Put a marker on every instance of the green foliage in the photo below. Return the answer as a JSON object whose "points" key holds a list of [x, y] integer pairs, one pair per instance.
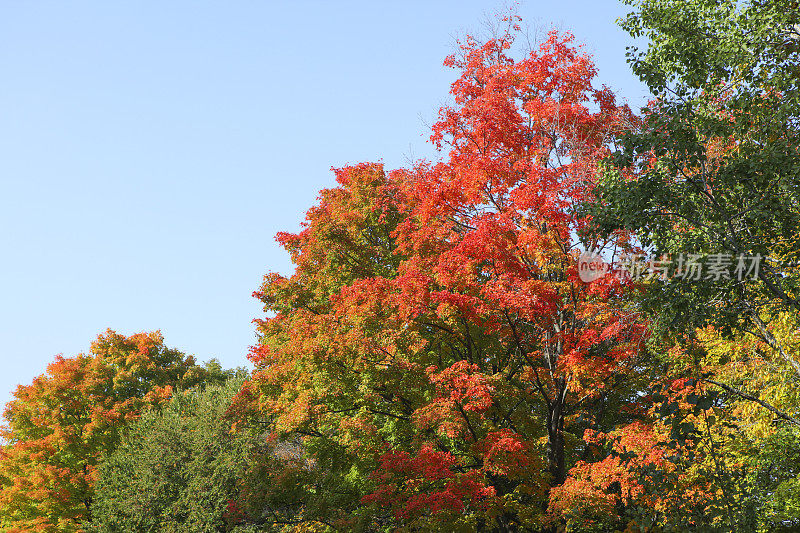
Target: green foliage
{"points": [[714, 167], [178, 469]]}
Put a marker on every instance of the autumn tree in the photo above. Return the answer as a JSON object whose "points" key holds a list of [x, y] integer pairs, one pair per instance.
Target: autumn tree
{"points": [[57, 428], [706, 456], [435, 348]]}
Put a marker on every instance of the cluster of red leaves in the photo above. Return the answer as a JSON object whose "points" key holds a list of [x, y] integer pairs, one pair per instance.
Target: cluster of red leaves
{"points": [[427, 483], [460, 389]]}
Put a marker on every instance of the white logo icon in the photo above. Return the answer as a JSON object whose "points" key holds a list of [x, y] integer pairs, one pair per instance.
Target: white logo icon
{"points": [[591, 266]]}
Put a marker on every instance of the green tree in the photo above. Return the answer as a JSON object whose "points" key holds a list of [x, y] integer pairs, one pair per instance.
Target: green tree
{"points": [[714, 169], [181, 468], [715, 166]]}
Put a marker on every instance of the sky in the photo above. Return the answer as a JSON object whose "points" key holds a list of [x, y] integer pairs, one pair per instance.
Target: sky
{"points": [[149, 151]]}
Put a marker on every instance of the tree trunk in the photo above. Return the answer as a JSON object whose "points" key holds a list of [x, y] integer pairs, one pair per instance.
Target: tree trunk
{"points": [[555, 439]]}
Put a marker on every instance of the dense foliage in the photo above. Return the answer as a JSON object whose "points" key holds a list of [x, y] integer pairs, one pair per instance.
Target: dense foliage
{"points": [[438, 361], [58, 427], [434, 346], [715, 166], [177, 469], [713, 170]]}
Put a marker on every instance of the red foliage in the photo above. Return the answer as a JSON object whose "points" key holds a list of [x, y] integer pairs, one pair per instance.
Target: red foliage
{"points": [[426, 483], [437, 311]]}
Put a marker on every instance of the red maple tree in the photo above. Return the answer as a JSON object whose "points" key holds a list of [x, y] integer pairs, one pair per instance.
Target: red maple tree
{"points": [[435, 332]]}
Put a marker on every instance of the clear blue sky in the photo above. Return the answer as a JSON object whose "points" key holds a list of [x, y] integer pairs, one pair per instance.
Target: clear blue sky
{"points": [[149, 151]]}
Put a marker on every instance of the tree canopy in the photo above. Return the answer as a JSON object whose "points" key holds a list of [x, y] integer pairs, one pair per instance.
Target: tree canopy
{"points": [[57, 428], [439, 360]]}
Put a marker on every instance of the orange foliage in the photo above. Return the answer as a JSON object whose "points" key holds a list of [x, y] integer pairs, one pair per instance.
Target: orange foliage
{"points": [[58, 427]]}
